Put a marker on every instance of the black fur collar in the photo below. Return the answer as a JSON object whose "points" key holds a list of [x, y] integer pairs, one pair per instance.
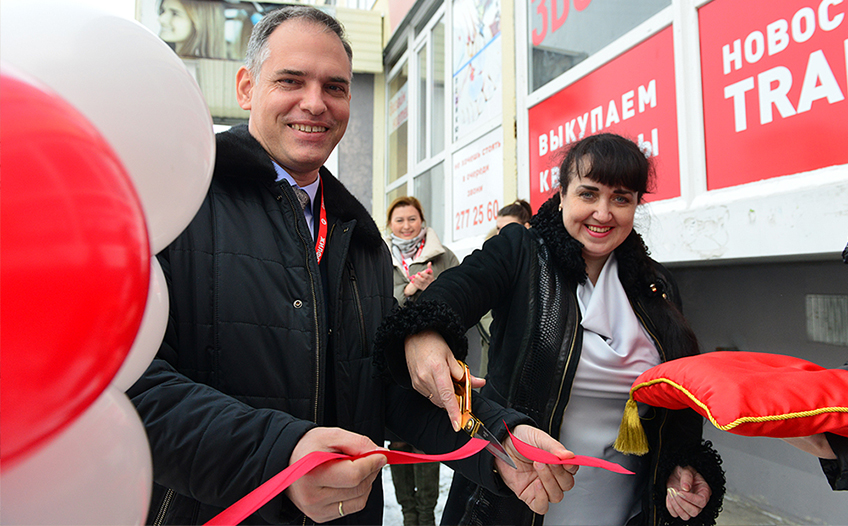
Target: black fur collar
{"points": [[240, 155], [634, 264]]}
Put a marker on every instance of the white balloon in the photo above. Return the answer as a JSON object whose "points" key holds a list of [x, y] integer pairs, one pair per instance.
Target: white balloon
{"points": [[134, 89], [97, 471], [154, 321]]}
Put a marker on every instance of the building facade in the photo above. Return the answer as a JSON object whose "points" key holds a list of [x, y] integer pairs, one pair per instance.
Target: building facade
{"points": [[740, 103]]}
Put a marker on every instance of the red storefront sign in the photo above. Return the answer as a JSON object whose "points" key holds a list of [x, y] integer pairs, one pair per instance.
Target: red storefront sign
{"points": [[774, 87], [633, 95]]}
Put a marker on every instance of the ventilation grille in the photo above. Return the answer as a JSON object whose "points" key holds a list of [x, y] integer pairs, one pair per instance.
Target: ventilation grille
{"points": [[827, 319]]}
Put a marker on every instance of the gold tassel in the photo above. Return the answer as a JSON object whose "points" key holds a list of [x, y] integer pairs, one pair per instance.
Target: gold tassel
{"points": [[631, 437]]}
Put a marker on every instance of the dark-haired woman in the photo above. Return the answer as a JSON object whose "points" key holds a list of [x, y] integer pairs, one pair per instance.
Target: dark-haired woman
{"points": [[580, 310], [518, 211]]}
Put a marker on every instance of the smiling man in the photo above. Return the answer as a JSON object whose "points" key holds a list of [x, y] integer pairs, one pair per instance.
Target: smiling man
{"points": [[277, 289], [299, 101]]}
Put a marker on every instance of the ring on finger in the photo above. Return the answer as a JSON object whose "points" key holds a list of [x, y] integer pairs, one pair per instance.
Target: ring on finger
{"points": [[430, 397], [341, 509]]}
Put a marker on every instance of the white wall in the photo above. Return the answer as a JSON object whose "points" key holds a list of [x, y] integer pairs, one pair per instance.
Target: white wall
{"points": [[797, 215]]}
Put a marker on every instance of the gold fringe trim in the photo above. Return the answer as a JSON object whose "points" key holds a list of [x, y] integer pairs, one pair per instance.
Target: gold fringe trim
{"points": [[631, 436]]}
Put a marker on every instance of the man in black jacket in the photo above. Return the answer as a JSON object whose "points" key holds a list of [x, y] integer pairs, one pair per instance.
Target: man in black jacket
{"points": [[277, 288]]}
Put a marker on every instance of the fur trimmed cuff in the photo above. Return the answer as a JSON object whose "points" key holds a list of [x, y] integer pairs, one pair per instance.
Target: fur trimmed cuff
{"points": [[707, 462], [412, 318]]}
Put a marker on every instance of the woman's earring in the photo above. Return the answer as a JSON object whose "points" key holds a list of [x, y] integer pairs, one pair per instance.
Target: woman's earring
{"points": [[560, 207]]}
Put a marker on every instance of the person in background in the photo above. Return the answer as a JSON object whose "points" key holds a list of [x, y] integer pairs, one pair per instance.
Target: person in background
{"points": [[277, 288], [519, 211], [418, 257], [579, 312]]}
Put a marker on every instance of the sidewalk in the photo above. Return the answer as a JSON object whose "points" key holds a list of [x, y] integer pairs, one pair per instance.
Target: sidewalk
{"points": [[737, 511]]}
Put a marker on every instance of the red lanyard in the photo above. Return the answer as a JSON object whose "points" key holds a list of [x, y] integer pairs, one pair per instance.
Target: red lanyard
{"points": [[418, 253], [321, 242]]}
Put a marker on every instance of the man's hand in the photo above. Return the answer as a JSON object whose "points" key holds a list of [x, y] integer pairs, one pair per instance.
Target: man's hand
{"points": [[815, 445], [318, 493], [432, 369], [535, 483], [687, 493]]}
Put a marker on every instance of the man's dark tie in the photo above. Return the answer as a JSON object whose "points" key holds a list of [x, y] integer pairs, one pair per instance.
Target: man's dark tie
{"points": [[302, 196]]}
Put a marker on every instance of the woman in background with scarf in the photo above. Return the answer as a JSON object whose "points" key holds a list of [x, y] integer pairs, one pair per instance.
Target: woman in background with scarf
{"points": [[417, 254]]}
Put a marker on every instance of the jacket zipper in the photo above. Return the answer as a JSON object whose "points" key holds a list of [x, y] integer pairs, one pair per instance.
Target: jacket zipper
{"points": [[564, 374], [166, 503], [358, 303], [550, 425], [314, 308], [317, 338], [640, 312]]}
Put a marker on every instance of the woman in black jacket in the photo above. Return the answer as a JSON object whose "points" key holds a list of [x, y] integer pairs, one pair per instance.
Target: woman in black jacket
{"points": [[580, 310]]}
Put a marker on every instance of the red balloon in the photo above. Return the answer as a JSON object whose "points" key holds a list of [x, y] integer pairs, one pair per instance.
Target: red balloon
{"points": [[75, 265]]}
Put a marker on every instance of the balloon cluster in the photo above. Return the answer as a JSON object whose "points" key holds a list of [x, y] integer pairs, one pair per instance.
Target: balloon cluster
{"points": [[107, 154]]}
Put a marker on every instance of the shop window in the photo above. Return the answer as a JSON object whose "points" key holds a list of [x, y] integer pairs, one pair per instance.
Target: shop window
{"points": [[430, 190], [398, 123], [422, 104], [417, 116], [397, 192], [437, 130], [563, 33]]}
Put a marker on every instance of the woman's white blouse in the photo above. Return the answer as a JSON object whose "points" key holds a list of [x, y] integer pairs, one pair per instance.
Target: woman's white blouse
{"points": [[616, 350]]}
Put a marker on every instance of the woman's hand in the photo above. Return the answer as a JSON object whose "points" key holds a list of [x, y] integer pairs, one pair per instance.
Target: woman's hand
{"points": [[535, 483], [420, 281], [432, 369], [687, 493]]}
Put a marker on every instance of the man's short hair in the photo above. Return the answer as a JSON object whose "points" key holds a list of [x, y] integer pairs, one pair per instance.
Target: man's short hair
{"points": [[257, 46]]}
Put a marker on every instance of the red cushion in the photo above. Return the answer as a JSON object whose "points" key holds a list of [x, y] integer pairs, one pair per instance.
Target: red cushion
{"points": [[751, 394]]}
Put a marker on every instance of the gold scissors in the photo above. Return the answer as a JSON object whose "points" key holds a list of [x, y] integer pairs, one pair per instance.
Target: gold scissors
{"points": [[470, 423]]}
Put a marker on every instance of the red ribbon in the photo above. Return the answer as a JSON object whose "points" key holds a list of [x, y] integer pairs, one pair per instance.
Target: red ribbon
{"points": [[540, 455], [279, 482]]}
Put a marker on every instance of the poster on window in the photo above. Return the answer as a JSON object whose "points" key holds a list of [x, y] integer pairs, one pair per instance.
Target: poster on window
{"points": [[624, 97], [477, 185], [398, 108], [774, 88], [216, 29], [476, 64]]}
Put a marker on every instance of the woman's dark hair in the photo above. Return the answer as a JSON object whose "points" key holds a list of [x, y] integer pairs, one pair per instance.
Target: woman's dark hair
{"points": [[519, 209], [613, 161]]}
